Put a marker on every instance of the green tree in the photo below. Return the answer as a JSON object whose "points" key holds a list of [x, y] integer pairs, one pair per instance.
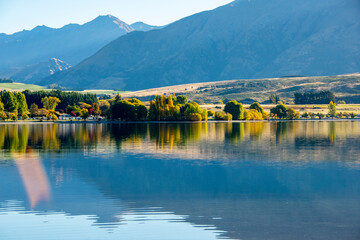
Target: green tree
{"points": [[211, 113], [235, 109], [332, 109], [50, 103], [274, 99], [181, 99], [22, 106], [10, 101], [1, 106], [279, 111], [124, 111], [256, 106], [141, 112]]}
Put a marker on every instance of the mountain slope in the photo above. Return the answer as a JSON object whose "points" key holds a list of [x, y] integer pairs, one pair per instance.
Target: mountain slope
{"points": [[34, 72], [71, 43], [143, 27], [244, 39], [346, 87]]}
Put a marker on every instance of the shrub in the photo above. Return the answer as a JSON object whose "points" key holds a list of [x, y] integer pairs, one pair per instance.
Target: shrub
{"points": [[211, 113], [194, 117], [3, 116], [228, 117], [353, 115], [253, 115], [24, 116], [256, 106], [339, 115], [54, 117], [223, 116], [265, 115], [305, 115], [321, 115], [12, 116], [219, 116], [292, 114]]}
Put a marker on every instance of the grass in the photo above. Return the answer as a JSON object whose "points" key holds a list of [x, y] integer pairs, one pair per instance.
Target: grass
{"points": [[345, 87], [301, 108], [20, 87], [103, 92]]}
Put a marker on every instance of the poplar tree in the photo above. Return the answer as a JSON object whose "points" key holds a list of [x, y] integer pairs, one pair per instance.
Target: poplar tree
{"points": [[10, 102], [22, 105]]}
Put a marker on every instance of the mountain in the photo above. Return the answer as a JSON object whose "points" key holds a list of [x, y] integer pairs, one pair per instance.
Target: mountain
{"points": [[71, 43], [244, 39], [34, 72], [140, 26]]}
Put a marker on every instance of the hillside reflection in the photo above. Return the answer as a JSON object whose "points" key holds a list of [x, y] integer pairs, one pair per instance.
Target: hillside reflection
{"points": [[209, 141], [246, 180]]}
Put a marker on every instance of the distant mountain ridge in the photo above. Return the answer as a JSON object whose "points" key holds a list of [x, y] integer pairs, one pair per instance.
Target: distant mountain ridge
{"points": [[244, 39], [34, 72], [140, 26], [71, 43]]}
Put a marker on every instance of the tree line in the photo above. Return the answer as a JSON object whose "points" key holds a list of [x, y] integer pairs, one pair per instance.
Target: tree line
{"points": [[323, 97], [50, 104]]}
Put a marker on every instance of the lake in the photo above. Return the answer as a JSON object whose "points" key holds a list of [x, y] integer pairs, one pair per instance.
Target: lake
{"points": [[196, 181]]}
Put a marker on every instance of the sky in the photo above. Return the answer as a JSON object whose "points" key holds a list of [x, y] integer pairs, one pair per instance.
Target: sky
{"points": [[16, 15]]}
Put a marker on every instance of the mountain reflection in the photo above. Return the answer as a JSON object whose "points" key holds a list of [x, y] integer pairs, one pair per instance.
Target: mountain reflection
{"points": [[248, 180]]}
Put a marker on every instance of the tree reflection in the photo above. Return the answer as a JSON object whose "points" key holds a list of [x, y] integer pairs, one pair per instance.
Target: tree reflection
{"points": [[174, 137]]}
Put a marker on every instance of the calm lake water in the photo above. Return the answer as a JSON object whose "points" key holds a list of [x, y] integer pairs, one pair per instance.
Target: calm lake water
{"points": [[199, 181]]}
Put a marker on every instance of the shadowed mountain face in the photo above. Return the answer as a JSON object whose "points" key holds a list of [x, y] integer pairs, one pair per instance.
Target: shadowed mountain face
{"points": [[34, 72], [25, 54], [71, 43], [244, 39]]}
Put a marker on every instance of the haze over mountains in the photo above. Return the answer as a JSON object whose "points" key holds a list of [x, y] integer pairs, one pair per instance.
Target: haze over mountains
{"points": [[38, 71], [244, 39], [22, 51]]}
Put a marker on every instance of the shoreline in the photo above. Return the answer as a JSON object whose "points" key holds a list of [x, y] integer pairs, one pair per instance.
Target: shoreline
{"points": [[171, 122]]}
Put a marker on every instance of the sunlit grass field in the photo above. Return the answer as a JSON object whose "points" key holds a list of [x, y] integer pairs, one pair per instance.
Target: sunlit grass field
{"points": [[20, 87]]}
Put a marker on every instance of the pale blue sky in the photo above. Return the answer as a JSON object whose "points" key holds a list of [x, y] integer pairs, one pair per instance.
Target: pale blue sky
{"points": [[16, 15]]}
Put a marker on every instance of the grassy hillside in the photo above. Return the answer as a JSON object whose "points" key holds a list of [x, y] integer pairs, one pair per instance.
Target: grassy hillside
{"points": [[20, 87], [345, 87]]}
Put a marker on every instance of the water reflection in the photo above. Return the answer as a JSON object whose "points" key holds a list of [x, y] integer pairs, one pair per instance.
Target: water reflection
{"points": [[209, 141], [33, 176], [286, 180]]}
